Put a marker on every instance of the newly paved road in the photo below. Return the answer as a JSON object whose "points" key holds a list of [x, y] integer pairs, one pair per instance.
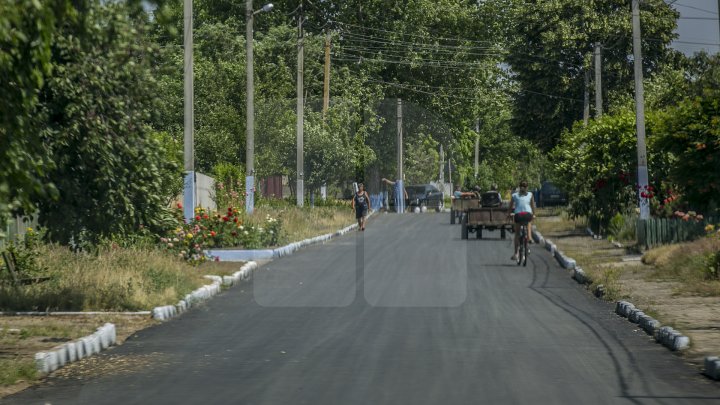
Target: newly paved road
{"points": [[404, 313]]}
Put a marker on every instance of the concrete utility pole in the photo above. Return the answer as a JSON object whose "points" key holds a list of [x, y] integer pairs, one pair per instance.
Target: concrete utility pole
{"points": [[326, 87], [477, 144], [642, 172], [190, 192], [300, 194], [249, 111], [598, 81], [586, 98], [442, 167], [399, 194]]}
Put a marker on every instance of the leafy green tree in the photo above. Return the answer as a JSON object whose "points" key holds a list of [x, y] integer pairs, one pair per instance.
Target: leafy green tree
{"points": [[549, 47], [690, 135], [26, 32], [109, 166]]}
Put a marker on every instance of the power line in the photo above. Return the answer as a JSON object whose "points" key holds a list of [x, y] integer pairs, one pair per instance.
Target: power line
{"points": [[696, 8]]}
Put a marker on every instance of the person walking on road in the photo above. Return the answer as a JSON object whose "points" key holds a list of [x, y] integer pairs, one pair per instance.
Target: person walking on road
{"points": [[361, 205]]}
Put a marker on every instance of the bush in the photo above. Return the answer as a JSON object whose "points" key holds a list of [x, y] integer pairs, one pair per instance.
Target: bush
{"points": [[220, 230]]}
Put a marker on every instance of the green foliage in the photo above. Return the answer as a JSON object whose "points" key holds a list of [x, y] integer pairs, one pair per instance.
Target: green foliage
{"points": [[595, 165], [25, 250], [549, 53], [690, 135], [109, 169], [26, 32]]}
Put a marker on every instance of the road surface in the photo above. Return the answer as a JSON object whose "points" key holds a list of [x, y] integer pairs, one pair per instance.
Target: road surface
{"points": [[404, 313]]}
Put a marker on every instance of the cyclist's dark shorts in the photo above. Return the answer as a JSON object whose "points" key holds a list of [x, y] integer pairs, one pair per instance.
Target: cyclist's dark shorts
{"points": [[523, 217]]}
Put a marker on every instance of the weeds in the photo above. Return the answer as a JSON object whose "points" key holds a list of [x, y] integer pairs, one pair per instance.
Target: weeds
{"points": [[115, 279], [689, 263], [13, 371]]}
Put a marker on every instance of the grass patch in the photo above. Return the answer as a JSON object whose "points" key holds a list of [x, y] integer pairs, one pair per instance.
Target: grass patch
{"points": [[303, 223], [13, 371], [686, 263], [116, 279]]}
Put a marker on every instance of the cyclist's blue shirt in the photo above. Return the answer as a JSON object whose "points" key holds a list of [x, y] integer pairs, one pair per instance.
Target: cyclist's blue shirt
{"points": [[522, 203]]}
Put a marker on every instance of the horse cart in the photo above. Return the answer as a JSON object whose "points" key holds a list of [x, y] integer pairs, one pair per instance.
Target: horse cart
{"points": [[459, 207], [492, 214]]}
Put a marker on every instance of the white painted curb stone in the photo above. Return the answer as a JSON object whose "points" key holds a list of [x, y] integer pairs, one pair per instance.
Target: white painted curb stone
{"points": [[49, 361]]}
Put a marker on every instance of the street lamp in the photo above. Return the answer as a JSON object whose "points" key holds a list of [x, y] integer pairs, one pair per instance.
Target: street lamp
{"points": [[250, 106]]}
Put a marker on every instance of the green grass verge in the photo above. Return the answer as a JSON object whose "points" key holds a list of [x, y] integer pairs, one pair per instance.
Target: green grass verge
{"points": [[13, 371]]}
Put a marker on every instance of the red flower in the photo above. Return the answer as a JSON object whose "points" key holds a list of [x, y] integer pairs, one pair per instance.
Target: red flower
{"points": [[235, 219], [226, 219], [179, 205], [197, 217], [205, 216], [212, 233]]}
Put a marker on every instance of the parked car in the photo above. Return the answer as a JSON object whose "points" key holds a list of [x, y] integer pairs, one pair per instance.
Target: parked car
{"points": [[421, 195], [550, 194]]}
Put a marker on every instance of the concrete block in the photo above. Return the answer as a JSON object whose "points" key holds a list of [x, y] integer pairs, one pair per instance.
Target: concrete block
{"points": [[681, 343], [635, 315], [41, 362], [62, 355], [71, 351], [712, 367]]}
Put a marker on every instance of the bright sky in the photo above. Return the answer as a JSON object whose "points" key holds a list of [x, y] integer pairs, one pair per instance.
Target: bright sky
{"points": [[698, 26]]}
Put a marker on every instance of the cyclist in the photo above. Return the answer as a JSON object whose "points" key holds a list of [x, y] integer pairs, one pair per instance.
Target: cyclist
{"points": [[522, 207]]}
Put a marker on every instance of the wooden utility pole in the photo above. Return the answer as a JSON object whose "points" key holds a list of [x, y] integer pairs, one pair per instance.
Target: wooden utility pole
{"points": [[477, 144], [326, 88]]}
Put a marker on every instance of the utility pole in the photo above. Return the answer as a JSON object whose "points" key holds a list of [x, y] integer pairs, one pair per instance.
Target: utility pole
{"points": [[442, 167], [326, 88], [300, 194], [190, 192], [598, 81], [586, 98], [477, 144], [640, 113], [399, 193], [249, 111]]}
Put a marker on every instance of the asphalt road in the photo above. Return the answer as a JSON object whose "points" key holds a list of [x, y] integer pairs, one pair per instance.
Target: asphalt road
{"points": [[404, 313]]}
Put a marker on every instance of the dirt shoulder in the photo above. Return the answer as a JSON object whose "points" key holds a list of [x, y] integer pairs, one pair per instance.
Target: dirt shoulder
{"points": [[624, 276], [23, 336]]}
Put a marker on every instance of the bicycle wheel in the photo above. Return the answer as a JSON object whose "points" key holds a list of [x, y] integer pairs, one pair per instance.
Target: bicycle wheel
{"points": [[521, 251], [525, 250]]}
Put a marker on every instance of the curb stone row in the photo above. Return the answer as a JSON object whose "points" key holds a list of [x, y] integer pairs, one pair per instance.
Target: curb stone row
{"points": [[665, 335], [49, 361], [105, 336]]}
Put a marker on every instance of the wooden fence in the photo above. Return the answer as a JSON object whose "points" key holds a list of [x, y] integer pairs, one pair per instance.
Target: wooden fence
{"points": [[661, 231]]}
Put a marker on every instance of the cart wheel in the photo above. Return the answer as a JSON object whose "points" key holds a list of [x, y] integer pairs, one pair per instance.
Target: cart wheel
{"points": [[479, 233], [452, 216], [464, 231]]}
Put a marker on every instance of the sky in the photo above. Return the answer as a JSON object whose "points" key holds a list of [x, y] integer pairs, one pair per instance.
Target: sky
{"points": [[698, 26]]}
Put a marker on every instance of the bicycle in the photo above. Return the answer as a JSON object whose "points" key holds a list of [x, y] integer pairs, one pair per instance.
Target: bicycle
{"points": [[523, 219], [523, 248]]}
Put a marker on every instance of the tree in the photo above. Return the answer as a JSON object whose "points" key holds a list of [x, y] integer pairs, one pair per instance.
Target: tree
{"points": [[26, 32], [109, 165], [548, 55]]}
